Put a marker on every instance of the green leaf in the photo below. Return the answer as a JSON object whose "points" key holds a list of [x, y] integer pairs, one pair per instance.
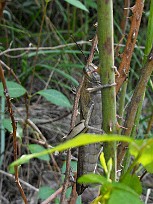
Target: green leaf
{"points": [[143, 149], [55, 97], [8, 126], [35, 148], [91, 3], [62, 73], [15, 90], [80, 140], [73, 165], [77, 4], [118, 193], [79, 200], [123, 194], [133, 182], [92, 178], [45, 192], [12, 170]]}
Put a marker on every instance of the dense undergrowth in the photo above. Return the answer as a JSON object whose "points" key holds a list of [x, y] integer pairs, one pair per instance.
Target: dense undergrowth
{"points": [[36, 43]]}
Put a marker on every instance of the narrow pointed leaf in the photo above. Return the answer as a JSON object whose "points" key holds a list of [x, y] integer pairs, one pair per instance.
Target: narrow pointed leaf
{"points": [[55, 97], [80, 140], [103, 162], [77, 4]]}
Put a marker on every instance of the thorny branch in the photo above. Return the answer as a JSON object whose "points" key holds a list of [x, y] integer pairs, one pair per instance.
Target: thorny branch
{"points": [[14, 126], [123, 24], [124, 67], [133, 106], [125, 15]]}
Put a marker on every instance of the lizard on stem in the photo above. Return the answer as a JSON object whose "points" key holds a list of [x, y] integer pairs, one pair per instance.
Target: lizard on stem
{"points": [[88, 155], [90, 96], [89, 93]]}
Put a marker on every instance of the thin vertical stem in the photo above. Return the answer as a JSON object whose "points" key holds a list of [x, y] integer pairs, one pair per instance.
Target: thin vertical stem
{"points": [[14, 127]]}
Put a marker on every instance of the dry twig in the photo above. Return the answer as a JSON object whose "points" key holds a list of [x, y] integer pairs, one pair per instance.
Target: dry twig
{"points": [[14, 126]]}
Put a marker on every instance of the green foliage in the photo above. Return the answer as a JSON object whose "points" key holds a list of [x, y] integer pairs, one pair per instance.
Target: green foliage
{"points": [[122, 194], [91, 3], [143, 151], [133, 182], [15, 90], [77, 4], [61, 73], [55, 97], [92, 179], [128, 189], [65, 63], [8, 126], [78, 141], [35, 148], [45, 192], [73, 166], [103, 162]]}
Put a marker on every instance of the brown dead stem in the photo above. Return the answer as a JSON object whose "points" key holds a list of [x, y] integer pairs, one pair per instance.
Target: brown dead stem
{"points": [[14, 126], [124, 67]]}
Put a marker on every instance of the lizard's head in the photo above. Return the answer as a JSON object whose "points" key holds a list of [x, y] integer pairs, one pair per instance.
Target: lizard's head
{"points": [[91, 72]]}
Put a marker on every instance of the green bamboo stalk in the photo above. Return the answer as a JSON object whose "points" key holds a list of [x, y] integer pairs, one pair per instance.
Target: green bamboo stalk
{"points": [[106, 56]]}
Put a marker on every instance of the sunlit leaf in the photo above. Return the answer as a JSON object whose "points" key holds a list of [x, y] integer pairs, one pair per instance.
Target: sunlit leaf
{"points": [[143, 149], [96, 200], [15, 90], [103, 162], [55, 97], [92, 178], [79, 140], [109, 165]]}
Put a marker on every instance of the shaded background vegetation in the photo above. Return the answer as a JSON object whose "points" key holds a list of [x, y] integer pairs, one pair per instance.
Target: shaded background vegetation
{"points": [[31, 23], [37, 24]]}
